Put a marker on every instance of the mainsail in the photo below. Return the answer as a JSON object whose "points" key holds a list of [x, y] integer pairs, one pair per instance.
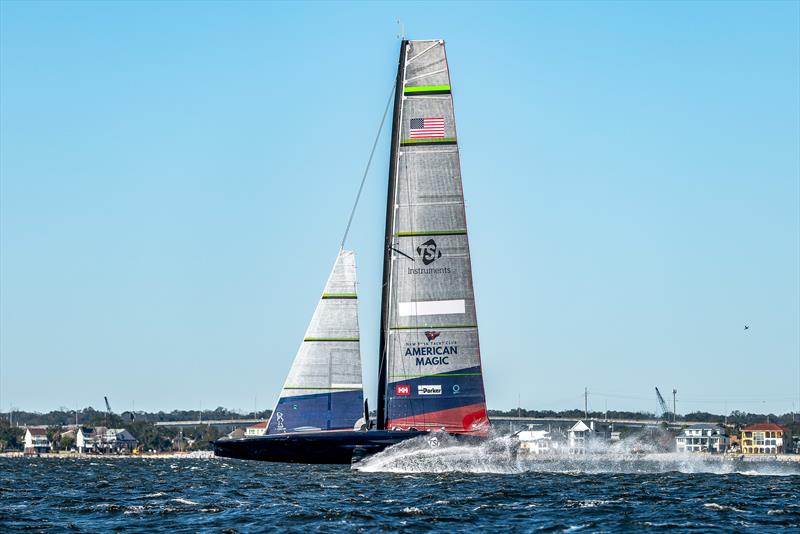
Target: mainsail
{"points": [[323, 390], [430, 367]]}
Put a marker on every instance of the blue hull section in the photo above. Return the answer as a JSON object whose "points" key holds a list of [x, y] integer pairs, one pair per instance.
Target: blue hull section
{"points": [[320, 411]]}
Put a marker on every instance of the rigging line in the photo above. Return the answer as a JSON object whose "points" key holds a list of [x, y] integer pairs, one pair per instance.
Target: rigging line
{"points": [[369, 162]]}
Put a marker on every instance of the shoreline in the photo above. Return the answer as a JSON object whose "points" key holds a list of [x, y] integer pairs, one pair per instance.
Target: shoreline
{"points": [[208, 455], [195, 455]]}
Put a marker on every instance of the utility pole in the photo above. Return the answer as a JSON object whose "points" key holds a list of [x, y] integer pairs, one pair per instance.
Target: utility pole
{"points": [[674, 404], [586, 403]]}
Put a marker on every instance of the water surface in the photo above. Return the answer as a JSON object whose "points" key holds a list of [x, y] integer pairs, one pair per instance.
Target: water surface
{"points": [[446, 491]]}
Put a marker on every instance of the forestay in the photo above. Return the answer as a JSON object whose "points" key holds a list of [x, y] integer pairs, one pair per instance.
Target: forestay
{"points": [[430, 361], [323, 390]]}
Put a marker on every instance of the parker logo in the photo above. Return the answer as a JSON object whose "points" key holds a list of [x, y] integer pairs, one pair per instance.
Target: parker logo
{"points": [[402, 389], [431, 335], [429, 390], [429, 252]]}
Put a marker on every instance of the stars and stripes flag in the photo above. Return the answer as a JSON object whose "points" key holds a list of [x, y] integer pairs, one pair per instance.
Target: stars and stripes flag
{"points": [[427, 128]]}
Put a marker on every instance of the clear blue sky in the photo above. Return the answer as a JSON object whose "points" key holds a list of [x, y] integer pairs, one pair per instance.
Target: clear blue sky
{"points": [[175, 179]]}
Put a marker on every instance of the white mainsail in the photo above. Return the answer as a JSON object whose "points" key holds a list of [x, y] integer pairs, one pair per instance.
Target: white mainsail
{"points": [[430, 364]]}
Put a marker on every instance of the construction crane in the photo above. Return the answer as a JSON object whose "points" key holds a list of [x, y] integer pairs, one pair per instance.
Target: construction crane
{"points": [[108, 410], [663, 404]]}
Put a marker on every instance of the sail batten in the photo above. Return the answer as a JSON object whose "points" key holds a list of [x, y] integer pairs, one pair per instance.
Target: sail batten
{"points": [[430, 367], [323, 390]]}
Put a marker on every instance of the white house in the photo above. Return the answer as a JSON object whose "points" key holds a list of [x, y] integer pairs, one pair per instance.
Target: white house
{"points": [[536, 441], [102, 439], [258, 429], [36, 440], [119, 440], [703, 437], [581, 436], [85, 439]]}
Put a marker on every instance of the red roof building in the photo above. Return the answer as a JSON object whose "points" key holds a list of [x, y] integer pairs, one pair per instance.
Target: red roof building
{"points": [[258, 429]]}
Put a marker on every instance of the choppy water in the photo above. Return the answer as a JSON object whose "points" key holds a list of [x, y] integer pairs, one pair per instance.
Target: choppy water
{"points": [[450, 489]]}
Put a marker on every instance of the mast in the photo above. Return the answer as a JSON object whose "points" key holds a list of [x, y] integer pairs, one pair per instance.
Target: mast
{"points": [[387, 248], [430, 374]]}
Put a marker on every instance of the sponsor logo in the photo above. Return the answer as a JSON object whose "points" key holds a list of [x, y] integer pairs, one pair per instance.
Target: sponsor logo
{"points": [[402, 389], [279, 419], [433, 352], [429, 252], [456, 389], [429, 390], [431, 335]]}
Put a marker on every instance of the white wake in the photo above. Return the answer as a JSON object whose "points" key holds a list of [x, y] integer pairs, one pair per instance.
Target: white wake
{"points": [[501, 455]]}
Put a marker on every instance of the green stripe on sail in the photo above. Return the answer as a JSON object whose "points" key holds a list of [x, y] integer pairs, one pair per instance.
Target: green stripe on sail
{"points": [[431, 232], [442, 327], [434, 375], [426, 88], [339, 295], [307, 387], [443, 140], [331, 339]]}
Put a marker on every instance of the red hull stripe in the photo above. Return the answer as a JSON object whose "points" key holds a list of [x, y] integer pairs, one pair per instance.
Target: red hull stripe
{"points": [[471, 419]]}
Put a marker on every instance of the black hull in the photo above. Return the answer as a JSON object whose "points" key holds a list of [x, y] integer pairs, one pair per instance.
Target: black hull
{"points": [[332, 447]]}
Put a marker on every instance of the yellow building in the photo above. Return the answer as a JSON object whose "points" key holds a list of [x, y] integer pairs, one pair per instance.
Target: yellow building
{"points": [[765, 438]]}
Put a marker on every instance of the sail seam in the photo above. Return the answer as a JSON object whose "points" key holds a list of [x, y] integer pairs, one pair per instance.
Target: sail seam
{"points": [[431, 47], [436, 375], [330, 339], [425, 75], [427, 90], [433, 327], [431, 232], [442, 141], [442, 203], [318, 388]]}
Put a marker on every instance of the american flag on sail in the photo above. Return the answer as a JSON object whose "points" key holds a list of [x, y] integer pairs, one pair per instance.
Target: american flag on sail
{"points": [[427, 128]]}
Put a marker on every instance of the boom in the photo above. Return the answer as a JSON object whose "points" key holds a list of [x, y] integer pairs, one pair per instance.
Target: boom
{"points": [[663, 404]]}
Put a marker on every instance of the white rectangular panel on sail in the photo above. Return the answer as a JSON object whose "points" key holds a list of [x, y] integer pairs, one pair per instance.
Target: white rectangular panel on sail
{"points": [[431, 307]]}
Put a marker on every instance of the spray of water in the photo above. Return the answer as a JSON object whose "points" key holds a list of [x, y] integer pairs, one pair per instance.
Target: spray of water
{"points": [[502, 455]]}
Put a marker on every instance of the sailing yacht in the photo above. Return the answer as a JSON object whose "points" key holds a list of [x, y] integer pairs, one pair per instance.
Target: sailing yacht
{"points": [[429, 373]]}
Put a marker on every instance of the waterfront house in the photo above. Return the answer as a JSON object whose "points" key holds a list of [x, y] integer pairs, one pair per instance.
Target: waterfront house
{"points": [[36, 440], [581, 437], [236, 433], [258, 429], [535, 441], [119, 440], [766, 438], [107, 440], [85, 439], [702, 437]]}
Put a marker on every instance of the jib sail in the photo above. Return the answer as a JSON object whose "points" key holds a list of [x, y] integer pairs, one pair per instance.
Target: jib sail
{"points": [[323, 390], [430, 366]]}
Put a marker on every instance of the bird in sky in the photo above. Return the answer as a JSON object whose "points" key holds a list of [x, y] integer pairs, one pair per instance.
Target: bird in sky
{"points": [[747, 327]]}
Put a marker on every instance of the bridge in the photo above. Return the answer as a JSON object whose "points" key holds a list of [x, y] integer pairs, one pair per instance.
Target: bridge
{"points": [[210, 422], [496, 419], [561, 421]]}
